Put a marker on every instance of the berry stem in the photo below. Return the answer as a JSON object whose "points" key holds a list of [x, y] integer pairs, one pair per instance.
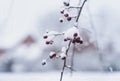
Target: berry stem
{"points": [[72, 7]]}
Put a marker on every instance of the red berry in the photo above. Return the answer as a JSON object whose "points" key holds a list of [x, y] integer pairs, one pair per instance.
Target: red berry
{"points": [[69, 18], [78, 39], [52, 56], [75, 35], [61, 20], [81, 42], [66, 15], [45, 37], [63, 58], [47, 42], [65, 39], [43, 63], [62, 11], [74, 40], [66, 4]]}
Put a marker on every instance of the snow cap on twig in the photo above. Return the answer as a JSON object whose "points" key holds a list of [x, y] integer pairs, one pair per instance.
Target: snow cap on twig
{"points": [[63, 56], [44, 62], [70, 32], [52, 54]]}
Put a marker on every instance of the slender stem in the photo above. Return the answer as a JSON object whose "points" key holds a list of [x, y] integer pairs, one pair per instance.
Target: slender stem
{"points": [[70, 7], [79, 13], [58, 34], [63, 70], [64, 65]]}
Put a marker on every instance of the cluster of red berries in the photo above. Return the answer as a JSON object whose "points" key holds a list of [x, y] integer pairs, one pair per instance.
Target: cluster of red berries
{"points": [[48, 42], [66, 15], [53, 55], [76, 39], [62, 53]]}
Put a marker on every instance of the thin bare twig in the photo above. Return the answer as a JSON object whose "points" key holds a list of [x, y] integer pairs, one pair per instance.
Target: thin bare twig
{"points": [[79, 13], [71, 7], [64, 65]]}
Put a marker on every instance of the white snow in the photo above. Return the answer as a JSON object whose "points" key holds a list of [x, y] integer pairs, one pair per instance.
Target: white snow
{"points": [[55, 76], [63, 49], [62, 55], [70, 32], [52, 53]]}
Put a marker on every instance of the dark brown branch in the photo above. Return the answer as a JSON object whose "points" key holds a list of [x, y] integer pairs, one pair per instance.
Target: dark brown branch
{"points": [[64, 65], [79, 13]]}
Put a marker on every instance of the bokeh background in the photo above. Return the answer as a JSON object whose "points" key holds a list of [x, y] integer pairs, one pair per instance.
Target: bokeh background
{"points": [[23, 23]]}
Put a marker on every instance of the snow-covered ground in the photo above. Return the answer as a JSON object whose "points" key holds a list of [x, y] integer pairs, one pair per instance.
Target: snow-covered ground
{"points": [[19, 18], [55, 76]]}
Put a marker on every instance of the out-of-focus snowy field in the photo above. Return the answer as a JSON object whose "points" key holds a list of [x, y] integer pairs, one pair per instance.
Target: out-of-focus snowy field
{"points": [[54, 76]]}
